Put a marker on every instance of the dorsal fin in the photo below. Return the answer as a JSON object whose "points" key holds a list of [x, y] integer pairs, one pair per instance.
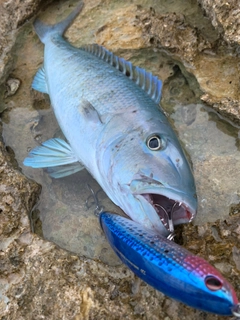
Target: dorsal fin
{"points": [[145, 80]]}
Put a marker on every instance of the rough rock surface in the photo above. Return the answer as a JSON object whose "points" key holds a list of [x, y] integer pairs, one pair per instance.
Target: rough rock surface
{"points": [[225, 16], [215, 66], [13, 15], [40, 281]]}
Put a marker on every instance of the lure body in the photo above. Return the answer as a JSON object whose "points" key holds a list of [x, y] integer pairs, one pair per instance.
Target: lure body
{"points": [[169, 267]]}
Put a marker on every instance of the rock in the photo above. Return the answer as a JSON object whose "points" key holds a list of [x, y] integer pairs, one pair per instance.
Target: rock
{"points": [[12, 87], [225, 17], [13, 15], [227, 107], [38, 280], [215, 66]]}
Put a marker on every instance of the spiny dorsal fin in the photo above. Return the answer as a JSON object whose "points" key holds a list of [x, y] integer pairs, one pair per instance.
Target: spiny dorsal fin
{"points": [[145, 80]]}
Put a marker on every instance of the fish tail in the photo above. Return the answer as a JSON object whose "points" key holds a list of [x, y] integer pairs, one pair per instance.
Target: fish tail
{"points": [[44, 31]]}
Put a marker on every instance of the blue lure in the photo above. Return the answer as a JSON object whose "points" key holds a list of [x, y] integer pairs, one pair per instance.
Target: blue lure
{"points": [[168, 267]]}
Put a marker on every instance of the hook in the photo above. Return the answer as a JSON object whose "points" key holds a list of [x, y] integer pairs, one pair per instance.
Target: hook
{"points": [[98, 208], [167, 220], [236, 311]]}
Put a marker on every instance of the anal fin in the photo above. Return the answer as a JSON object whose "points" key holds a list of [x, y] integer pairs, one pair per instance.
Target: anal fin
{"points": [[64, 171], [39, 82]]}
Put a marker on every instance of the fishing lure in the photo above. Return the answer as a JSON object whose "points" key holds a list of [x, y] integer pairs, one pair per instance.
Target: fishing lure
{"points": [[168, 267]]}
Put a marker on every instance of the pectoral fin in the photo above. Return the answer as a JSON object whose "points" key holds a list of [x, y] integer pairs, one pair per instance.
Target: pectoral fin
{"points": [[88, 111], [54, 153]]}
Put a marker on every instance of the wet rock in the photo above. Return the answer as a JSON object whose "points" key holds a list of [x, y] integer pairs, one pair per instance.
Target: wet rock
{"points": [[227, 107]]}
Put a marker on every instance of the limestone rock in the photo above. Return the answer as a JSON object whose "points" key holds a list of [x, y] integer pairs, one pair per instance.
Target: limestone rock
{"points": [[225, 16], [216, 69], [13, 14], [38, 280]]}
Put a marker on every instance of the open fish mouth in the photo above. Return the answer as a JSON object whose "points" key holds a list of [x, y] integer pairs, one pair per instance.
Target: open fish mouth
{"points": [[171, 212], [165, 207]]}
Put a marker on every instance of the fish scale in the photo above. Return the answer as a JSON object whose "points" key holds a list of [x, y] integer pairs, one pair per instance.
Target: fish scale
{"points": [[90, 71]]}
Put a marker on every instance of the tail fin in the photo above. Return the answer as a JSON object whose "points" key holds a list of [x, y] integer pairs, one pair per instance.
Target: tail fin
{"points": [[44, 31]]}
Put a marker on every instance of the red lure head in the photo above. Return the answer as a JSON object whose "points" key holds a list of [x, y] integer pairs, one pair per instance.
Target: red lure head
{"points": [[212, 282]]}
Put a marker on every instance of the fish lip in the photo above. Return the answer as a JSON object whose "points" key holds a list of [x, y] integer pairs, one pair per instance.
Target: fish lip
{"points": [[186, 211]]}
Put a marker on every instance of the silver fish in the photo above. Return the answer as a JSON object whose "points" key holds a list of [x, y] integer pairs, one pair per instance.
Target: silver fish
{"points": [[109, 112]]}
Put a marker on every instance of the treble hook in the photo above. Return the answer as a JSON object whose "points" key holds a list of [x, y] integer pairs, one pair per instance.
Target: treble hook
{"points": [[98, 208], [169, 217], [171, 236], [236, 311]]}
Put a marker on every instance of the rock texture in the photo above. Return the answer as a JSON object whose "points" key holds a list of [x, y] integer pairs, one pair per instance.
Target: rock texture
{"points": [[225, 17], [40, 281], [215, 66], [13, 15]]}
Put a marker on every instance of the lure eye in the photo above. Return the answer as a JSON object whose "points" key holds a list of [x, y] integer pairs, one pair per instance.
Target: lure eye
{"points": [[213, 283], [154, 142]]}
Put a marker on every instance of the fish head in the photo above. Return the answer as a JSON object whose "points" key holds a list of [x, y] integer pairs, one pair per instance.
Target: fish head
{"points": [[164, 179], [147, 169]]}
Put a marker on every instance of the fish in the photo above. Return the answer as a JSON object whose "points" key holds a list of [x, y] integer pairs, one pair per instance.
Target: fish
{"points": [[168, 267], [109, 113]]}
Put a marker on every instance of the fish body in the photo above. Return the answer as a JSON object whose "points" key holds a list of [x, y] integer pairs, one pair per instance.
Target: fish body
{"points": [[169, 267], [108, 111]]}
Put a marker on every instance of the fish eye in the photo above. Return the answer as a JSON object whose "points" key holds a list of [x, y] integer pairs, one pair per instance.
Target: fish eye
{"points": [[213, 283], [154, 142]]}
